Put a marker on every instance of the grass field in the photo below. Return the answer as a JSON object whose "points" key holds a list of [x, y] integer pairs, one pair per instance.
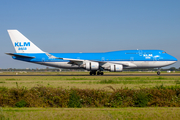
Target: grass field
{"points": [[90, 113], [91, 82]]}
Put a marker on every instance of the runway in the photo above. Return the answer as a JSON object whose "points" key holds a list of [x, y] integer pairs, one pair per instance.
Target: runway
{"points": [[131, 74]]}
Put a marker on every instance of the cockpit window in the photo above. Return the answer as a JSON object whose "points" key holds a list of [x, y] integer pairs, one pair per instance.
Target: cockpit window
{"points": [[163, 52]]}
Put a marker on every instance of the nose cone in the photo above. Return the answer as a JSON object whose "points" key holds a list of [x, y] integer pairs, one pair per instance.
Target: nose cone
{"points": [[170, 60], [174, 59]]}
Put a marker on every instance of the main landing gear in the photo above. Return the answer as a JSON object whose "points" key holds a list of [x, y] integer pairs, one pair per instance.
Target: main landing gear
{"points": [[159, 71], [94, 73]]}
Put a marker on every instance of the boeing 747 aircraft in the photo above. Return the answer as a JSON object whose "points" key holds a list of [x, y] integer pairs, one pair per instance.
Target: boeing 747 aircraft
{"points": [[96, 63]]}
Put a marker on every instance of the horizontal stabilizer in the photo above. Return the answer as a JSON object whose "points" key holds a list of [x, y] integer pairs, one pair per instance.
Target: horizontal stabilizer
{"points": [[12, 54]]}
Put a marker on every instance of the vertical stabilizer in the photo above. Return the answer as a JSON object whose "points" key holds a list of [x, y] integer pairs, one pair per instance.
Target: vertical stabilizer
{"points": [[22, 44]]}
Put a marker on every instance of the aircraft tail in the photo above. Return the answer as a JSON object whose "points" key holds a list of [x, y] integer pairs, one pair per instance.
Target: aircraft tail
{"points": [[22, 44]]}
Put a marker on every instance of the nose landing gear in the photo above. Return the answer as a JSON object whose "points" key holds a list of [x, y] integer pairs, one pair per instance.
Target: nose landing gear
{"points": [[159, 71]]}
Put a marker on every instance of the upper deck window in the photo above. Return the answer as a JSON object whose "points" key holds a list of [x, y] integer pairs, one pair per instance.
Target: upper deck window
{"points": [[131, 53], [147, 53]]}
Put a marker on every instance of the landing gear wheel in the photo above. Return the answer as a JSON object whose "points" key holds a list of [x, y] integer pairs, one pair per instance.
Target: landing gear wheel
{"points": [[98, 73], [94, 73], [158, 73]]}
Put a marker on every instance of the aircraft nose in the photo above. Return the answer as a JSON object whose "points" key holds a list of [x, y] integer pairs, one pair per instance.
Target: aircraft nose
{"points": [[175, 59]]}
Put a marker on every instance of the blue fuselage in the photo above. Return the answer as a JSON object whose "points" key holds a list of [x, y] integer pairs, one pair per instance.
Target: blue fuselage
{"points": [[137, 57]]}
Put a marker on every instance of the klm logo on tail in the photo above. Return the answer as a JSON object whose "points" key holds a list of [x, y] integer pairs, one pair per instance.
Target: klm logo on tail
{"points": [[22, 45]]}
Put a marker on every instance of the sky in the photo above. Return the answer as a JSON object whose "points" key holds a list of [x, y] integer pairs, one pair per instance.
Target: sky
{"points": [[70, 26]]}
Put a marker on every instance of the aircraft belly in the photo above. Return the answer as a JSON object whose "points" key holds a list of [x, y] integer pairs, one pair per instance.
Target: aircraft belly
{"points": [[153, 63], [145, 64]]}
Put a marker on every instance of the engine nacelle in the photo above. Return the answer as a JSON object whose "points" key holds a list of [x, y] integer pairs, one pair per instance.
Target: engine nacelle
{"points": [[116, 68], [92, 66]]}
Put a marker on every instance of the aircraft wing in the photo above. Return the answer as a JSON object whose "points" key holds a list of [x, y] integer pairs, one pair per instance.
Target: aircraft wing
{"points": [[75, 61], [72, 61], [81, 61], [12, 54], [102, 63]]}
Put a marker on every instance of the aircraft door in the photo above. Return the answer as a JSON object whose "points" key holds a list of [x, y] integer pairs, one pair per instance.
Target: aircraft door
{"points": [[154, 58], [140, 52], [102, 59], [132, 59], [43, 59]]}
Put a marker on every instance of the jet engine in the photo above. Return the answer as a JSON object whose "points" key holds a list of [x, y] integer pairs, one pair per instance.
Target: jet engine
{"points": [[92, 66], [116, 68]]}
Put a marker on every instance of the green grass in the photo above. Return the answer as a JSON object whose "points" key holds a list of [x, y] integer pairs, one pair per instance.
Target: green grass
{"points": [[92, 82], [79, 78], [177, 81], [90, 113], [137, 80]]}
